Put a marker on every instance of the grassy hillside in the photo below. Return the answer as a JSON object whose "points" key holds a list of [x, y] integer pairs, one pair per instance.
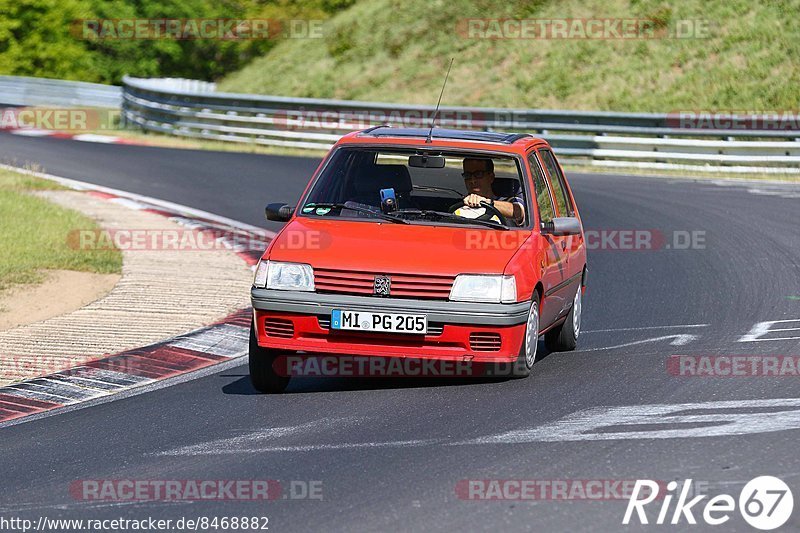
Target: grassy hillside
{"points": [[391, 51]]}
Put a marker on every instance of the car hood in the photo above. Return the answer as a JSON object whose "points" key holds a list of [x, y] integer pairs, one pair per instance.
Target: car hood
{"points": [[395, 248]]}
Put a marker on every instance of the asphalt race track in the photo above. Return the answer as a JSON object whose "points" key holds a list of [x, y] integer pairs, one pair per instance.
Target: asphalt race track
{"points": [[390, 453]]}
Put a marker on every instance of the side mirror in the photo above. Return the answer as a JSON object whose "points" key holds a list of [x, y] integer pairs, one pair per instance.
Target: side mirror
{"points": [[279, 212], [562, 226]]}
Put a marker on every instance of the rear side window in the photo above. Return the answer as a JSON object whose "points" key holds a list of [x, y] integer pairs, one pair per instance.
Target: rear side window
{"points": [[559, 189], [543, 199]]}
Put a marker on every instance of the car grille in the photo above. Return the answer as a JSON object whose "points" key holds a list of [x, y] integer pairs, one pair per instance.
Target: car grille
{"points": [[433, 329], [484, 342], [403, 285], [279, 327]]}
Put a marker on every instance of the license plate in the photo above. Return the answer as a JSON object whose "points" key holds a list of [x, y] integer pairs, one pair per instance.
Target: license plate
{"points": [[379, 322]]}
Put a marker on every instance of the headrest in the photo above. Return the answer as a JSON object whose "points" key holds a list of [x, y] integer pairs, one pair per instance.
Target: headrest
{"points": [[505, 187], [373, 178]]}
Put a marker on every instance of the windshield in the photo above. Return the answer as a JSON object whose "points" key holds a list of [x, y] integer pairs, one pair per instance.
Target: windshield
{"points": [[358, 182]]}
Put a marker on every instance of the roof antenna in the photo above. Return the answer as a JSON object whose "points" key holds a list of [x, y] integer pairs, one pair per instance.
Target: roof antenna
{"points": [[435, 113]]}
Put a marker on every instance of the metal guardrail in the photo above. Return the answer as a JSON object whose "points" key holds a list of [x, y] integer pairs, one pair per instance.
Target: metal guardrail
{"points": [[192, 108], [598, 138], [24, 91], [178, 85]]}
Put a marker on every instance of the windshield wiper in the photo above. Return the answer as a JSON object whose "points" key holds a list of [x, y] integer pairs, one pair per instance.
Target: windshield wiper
{"points": [[451, 216], [359, 209]]}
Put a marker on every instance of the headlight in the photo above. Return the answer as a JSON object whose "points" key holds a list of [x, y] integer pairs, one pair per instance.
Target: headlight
{"points": [[476, 288], [284, 276]]}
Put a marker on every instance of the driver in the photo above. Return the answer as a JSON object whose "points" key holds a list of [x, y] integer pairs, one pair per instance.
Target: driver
{"points": [[478, 177]]}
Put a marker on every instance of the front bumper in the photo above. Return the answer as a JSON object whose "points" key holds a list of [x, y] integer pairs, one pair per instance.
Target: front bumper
{"points": [[453, 326]]}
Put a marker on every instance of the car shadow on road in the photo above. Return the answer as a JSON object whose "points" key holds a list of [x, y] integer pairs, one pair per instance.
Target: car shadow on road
{"points": [[481, 374], [243, 386]]}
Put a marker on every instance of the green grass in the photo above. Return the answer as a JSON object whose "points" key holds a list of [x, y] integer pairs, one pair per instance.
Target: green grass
{"points": [[34, 234], [382, 50], [17, 182]]}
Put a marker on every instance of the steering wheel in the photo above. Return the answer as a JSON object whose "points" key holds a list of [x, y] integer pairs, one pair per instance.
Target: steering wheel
{"points": [[490, 211]]}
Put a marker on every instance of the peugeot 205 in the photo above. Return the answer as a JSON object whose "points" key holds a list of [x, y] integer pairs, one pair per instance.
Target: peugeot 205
{"points": [[409, 243]]}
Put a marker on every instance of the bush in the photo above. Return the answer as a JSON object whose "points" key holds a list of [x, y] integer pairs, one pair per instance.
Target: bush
{"points": [[39, 38]]}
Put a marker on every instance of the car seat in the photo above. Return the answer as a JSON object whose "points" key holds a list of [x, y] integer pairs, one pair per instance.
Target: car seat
{"points": [[372, 178]]}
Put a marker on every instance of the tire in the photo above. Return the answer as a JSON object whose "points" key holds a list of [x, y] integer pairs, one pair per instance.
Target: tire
{"points": [[526, 358], [262, 373], [564, 338]]}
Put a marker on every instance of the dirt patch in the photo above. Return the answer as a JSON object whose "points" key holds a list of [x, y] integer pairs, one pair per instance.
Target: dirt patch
{"points": [[63, 291]]}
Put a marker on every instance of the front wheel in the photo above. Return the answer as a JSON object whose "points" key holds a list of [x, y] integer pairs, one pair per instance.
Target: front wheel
{"points": [[262, 371], [521, 368], [564, 338]]}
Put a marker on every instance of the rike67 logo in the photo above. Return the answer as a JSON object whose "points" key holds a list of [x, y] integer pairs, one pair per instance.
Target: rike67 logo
{"points": [[765, 503]]}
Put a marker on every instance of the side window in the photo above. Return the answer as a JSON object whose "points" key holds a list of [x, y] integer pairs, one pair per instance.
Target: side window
{"points": [[543, 199], [557, 179]]}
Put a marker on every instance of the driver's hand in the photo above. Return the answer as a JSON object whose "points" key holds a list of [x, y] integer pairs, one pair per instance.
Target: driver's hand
{"points": [[474, 200]]}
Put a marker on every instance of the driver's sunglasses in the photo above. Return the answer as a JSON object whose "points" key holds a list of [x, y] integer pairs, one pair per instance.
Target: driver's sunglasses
{"points": [[476, 174]]}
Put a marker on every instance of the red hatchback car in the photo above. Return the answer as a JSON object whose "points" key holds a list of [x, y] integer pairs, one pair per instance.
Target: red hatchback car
{"points": [[450, 245]]}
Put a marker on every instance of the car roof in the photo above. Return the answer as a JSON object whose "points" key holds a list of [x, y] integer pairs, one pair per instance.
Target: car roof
{"points": [[444, 133], [494, 141]]}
